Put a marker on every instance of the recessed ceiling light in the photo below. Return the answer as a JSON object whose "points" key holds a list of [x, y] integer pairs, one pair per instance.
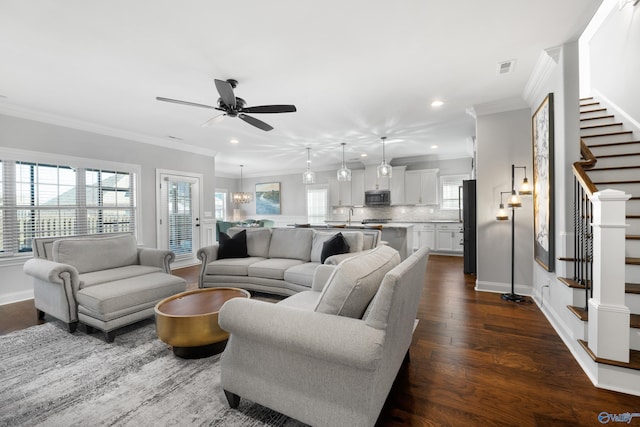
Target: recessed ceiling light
{"points": [[433, 147], [363, 155], [437, 103], [234, 141]]}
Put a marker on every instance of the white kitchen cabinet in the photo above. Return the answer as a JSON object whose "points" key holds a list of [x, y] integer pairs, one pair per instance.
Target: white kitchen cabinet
{"points": [[357, 188], [397, 185], [421, 187], [424, 236], [371, 180], [339, 192], [449, 237]]}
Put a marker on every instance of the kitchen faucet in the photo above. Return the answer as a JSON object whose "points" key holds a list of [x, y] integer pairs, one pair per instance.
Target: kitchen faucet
{"points": [[350, 213]]}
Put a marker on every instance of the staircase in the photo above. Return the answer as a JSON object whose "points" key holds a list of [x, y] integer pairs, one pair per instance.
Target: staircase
{"points": [[610, 160]]}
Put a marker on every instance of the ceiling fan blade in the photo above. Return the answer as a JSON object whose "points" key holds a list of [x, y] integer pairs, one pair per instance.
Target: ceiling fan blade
{"points": [[177, 101], [270, 109], [255, 122], [212, 121], [226, 93]]}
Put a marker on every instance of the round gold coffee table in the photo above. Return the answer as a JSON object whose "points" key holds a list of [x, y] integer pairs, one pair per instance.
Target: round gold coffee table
{"points": [[188, 321]]}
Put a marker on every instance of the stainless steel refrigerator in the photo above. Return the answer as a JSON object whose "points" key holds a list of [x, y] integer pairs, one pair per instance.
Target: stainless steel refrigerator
{"points": [[469, 225]]}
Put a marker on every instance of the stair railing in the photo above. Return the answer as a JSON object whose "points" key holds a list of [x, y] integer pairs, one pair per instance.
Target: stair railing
{"points": [[582, 217]]}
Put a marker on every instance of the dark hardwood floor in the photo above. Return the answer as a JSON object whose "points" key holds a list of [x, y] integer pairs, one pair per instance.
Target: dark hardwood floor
{"points": [[475, 361]]}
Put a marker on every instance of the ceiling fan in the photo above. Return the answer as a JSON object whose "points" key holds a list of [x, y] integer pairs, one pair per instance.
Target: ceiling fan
{"points": [[234, 106]]}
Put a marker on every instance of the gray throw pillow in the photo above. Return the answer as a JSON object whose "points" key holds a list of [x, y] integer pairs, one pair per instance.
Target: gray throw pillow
{"points": [[356, 281]]}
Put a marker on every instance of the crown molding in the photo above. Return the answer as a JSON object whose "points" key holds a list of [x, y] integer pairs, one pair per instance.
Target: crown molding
{"points": [[57, 120], [547, 61]]}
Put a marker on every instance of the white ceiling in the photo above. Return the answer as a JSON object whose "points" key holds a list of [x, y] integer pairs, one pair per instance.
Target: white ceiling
{"points": [[356, 70]]}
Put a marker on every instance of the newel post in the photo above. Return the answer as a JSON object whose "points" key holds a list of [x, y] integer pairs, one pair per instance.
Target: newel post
{"points": [[608, 315]]}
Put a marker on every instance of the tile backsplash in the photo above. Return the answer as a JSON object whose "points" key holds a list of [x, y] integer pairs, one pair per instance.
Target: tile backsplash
{"points": [[395, 213]]}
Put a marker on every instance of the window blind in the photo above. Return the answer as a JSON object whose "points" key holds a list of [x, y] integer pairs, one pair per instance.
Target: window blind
{"points": [[43, 200], [179, 203], [450, 191], [317, 205]]}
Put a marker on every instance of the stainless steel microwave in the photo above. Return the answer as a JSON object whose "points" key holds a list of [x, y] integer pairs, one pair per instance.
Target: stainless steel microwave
{"points": [[377, 198]]}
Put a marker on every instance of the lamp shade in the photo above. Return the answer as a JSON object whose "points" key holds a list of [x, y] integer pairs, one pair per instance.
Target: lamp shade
{"points": [[502, 214]]}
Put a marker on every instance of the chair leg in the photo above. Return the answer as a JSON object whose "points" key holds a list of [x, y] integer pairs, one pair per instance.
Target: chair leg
{"points": [[109, 336], [232, 398], [72, 326]]}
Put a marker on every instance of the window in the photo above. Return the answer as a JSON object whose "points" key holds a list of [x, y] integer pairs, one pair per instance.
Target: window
{"points": [[450, 191], [317, 204], [42, 199], [221, 205]]}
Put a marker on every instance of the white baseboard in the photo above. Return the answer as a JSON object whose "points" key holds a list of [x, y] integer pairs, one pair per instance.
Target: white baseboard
{"points": [[16, 297]]}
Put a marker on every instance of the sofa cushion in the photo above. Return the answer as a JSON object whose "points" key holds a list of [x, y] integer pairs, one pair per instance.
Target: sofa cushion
{"points": [[233, 247], [258, 240], [334, 246], [96, 253], [355, 282], [292, 243], [231, 266], [272, 268], [101, 300], [102, 276], [301, 274]]}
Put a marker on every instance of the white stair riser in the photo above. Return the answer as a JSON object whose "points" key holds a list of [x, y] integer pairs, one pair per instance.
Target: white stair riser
{"points": [[633, 206], [632, 248], [596, 122], [614, 149], [633, 302], [632, 274], [630, 189], [600, 130], [634, 339], [633, 226], [614, 175], [608, 139], [584, 115], [608, 162]]}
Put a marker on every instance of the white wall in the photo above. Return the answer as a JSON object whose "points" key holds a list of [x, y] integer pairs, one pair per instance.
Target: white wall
{"points": [[47, 138], [615, 59], [503, 139]]}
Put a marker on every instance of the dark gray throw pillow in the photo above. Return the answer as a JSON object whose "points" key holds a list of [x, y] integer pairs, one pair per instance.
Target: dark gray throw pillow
{"points": [[233, 247], [334, 246]]}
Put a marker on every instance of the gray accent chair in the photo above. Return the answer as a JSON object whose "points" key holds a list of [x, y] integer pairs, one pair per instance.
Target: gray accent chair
{"points": [[324, 369], [104, 281]]}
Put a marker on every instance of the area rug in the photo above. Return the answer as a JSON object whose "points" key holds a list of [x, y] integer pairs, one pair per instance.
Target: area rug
{"points": [[49, 377]]}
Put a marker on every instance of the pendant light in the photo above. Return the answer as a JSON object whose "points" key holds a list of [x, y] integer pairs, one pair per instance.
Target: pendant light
{"points": [[241, 197], [308, 176], [344, 173], [384, 169]]}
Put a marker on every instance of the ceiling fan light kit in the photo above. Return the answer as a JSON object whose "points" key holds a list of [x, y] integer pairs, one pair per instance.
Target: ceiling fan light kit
{"points": [[233, 106]]}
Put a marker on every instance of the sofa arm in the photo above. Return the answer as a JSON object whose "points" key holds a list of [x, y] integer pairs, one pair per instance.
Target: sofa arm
{"points": [[208, 253], [336, 339], [53, 272], [160, 258]]}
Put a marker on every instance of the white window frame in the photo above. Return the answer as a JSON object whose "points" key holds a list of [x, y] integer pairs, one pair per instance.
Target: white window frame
{"points": [[226, 203], [27, 156], [450, 178], [324, 187]]}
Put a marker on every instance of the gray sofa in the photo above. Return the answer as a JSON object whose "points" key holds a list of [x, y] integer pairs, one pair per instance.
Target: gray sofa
{"points": [[281, 260], [327, 356], [104, 281]]}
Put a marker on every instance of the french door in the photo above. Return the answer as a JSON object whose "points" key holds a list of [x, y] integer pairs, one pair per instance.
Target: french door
{"points": [[179, 215]]}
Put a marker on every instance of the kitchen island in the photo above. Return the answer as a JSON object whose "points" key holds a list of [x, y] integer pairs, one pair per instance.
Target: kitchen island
{"points": [[397, 235]]}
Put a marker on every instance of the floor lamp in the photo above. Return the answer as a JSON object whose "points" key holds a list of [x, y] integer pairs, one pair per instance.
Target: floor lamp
{"points": [[514, 202]]}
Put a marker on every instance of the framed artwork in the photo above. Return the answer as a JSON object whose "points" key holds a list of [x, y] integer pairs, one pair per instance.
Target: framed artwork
{"points": [[268, 198], [543, 205]]}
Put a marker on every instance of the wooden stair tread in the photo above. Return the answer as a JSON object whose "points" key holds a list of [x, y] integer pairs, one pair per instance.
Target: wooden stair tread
{"points": [[587, 104], [571, 283], [586, 98], [582, 314], [632, 216], [600, 126], [632, 261], [622, 132], [632, 288], [606, 116], [632, 237], [634, 358]]}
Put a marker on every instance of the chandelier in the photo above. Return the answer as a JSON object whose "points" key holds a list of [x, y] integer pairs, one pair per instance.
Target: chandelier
{"points": [[241, 197]]}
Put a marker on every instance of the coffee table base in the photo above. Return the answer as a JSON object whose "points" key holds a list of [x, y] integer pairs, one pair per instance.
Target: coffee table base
{"points": [[200, 352]]}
